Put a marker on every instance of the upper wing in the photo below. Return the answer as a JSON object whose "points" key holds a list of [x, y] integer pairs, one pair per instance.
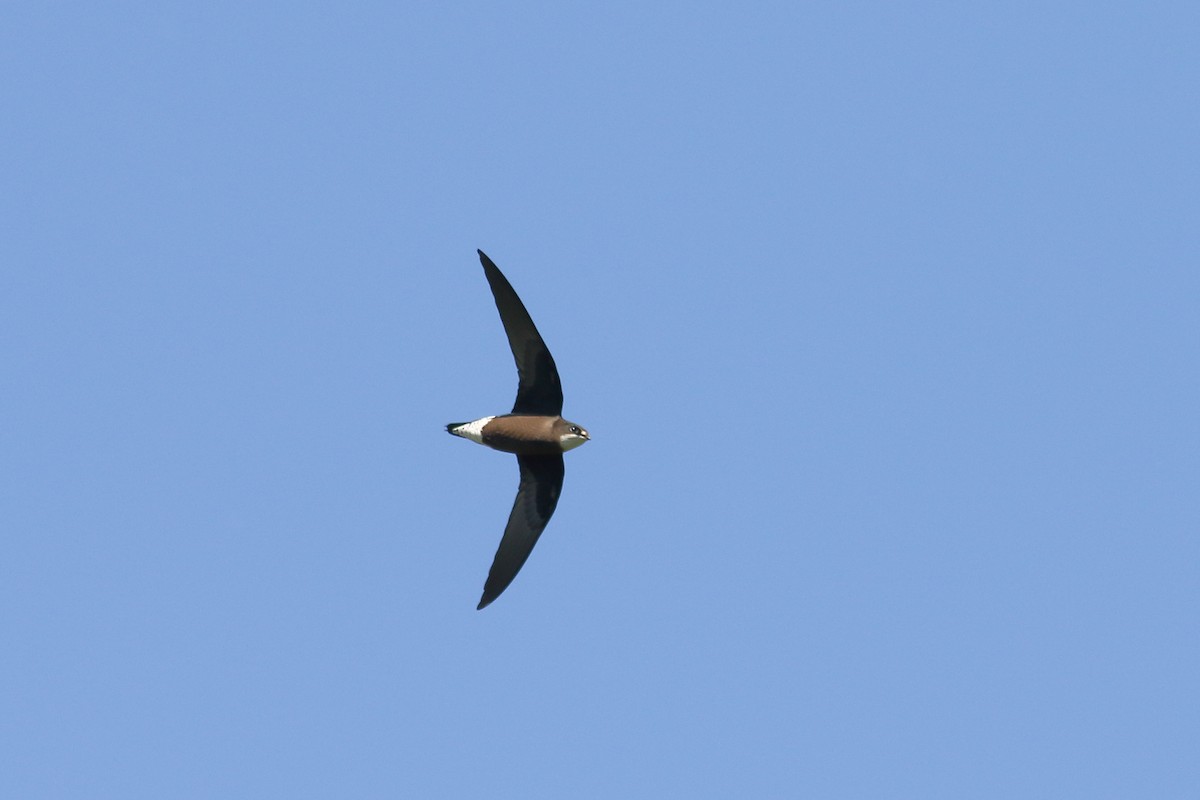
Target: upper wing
{"points": [[541, 483], [539, 390]]}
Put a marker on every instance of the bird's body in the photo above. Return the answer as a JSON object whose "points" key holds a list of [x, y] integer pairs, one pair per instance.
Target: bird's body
{"points": [[523, 434], [535, 431]]}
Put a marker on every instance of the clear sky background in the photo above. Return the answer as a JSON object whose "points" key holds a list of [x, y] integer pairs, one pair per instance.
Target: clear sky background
{"points": [[883, 317]]}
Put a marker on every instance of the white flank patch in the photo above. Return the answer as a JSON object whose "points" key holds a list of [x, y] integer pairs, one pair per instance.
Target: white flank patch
{"points": [[473, 430]]}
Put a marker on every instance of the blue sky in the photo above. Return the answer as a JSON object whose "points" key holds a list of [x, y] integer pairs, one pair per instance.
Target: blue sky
{"points": [[883, 318]]}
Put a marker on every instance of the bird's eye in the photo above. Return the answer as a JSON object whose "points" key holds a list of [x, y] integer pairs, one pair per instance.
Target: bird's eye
{"points": [[574, 429]]}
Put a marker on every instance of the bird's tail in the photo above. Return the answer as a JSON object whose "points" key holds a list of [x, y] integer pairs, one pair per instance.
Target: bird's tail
{"points": [[454, 426]]}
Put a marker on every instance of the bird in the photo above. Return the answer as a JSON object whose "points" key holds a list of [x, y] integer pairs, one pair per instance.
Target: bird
{"points": [[534, 431]]}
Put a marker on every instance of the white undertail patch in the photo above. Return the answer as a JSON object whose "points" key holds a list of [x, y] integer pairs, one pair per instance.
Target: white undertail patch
{"points": [[473, 430]]}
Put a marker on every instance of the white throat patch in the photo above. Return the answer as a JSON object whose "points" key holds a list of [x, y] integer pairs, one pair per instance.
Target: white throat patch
{"points": [[473, 430], [571, 441]]}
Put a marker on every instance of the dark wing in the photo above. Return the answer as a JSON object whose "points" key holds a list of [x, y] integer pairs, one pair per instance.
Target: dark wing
{"points": [[539, 391], [541, 482]]}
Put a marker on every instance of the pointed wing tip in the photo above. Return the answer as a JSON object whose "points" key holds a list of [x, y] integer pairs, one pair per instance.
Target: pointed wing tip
{"points": [[489, 266], [491, 591]]}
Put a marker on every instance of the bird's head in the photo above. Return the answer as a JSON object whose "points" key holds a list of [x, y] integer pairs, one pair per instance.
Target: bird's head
{"points": [[571, 435]]}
